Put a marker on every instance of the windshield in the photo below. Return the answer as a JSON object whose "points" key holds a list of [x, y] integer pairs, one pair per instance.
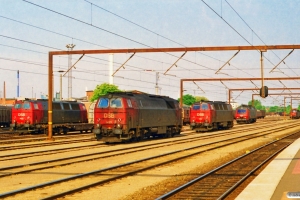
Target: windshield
{"points": [[241, 111], [113, 103]]}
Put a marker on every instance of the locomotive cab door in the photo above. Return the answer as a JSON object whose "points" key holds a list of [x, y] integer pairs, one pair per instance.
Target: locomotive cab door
{"points": [[135, 114]]}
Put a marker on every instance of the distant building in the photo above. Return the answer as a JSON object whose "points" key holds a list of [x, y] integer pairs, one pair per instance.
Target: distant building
{"points": [[234, 104], [7, 101]]}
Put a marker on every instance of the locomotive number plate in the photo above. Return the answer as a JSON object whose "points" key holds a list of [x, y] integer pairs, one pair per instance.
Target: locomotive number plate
{"points": [[200, 114], [21, 114], [109, 115]]}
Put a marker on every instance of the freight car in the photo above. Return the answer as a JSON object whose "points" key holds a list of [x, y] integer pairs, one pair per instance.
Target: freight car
{"points": [[209, 115], [245, 114], [32, 116], [260, 114], [132, 116], [185, 114], [295, 114], [5, 115]]}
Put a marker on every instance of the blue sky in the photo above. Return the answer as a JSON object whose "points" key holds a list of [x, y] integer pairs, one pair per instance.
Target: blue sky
{"points": [[30, 29]]}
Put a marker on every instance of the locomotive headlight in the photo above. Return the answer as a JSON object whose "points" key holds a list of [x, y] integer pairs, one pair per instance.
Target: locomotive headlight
{"points": [[119, 126]]}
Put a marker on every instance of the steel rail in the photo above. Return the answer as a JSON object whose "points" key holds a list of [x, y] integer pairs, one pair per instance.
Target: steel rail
{"points": [[190, 183], [150, 146], [239, 139]]}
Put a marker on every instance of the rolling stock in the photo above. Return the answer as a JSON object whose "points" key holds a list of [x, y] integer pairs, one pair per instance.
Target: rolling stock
{"points": [[211, 115], [185, 114], [5, 115], [295, 114], [32, 116], [132, 116], [245, 114], [260, 114]]}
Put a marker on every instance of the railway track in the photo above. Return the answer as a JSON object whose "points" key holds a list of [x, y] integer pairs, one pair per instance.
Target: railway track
{"points": [[220, 182], [8, 156], [115, 172], [79, 138]]}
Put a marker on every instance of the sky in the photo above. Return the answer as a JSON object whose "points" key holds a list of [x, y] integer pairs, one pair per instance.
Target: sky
{"points": [[30, 29]]}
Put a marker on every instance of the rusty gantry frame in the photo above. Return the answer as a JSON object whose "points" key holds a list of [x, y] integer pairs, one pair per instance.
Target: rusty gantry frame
{"points": [[242, 89], [261, 48]]}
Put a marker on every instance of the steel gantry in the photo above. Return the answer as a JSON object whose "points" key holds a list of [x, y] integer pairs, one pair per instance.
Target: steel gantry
{"points": [[260, 48]]}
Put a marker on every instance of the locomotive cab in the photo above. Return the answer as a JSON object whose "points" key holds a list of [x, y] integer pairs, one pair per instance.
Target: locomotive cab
{"points": [[110, 116]]}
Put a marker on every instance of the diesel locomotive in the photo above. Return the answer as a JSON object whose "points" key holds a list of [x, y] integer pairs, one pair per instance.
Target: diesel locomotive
{"points": [[211, 115], [295, 114], [32, 116], [5, 115], [133, 116], [245, 114]]}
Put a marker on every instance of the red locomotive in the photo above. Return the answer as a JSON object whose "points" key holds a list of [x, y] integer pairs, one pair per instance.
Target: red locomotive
{"points": [[245, 114], [5, 115], [131, 116], [32, 116], [209, 115], [295, 114]]}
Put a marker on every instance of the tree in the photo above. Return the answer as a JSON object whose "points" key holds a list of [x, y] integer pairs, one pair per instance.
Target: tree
{"points": [[188, 99], [198, 98], [103, 89], [256, 103]]}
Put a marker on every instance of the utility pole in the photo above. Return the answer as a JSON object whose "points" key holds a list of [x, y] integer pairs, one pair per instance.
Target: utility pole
{"points": [[156, 85], [70, 48]]}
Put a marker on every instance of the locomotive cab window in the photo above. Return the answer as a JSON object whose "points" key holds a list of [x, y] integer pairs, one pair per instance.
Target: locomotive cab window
{"points": [[204, 106], [115, 103], [18, 106], [36, 107], [212, 106], [196, 107], [129, 103], [26, 105], [103, 103], [241, 111]]}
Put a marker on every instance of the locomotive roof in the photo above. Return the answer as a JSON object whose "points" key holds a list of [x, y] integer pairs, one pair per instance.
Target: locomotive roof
{"points": [[211, 102], [137, 93]]}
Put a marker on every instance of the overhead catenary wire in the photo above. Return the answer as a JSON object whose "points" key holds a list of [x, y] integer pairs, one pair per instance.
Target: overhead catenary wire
{"points": [[199, 69]]}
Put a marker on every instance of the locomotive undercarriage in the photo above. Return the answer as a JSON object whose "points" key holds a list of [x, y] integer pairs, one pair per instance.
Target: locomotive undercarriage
{"points": [[202, 127], [137, 134], [56, 128]]}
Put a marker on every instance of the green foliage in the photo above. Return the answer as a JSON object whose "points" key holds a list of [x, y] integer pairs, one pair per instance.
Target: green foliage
{"points": [[288, 109], [188, 99], [257, 105], [199, 98], [103, 89]]}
